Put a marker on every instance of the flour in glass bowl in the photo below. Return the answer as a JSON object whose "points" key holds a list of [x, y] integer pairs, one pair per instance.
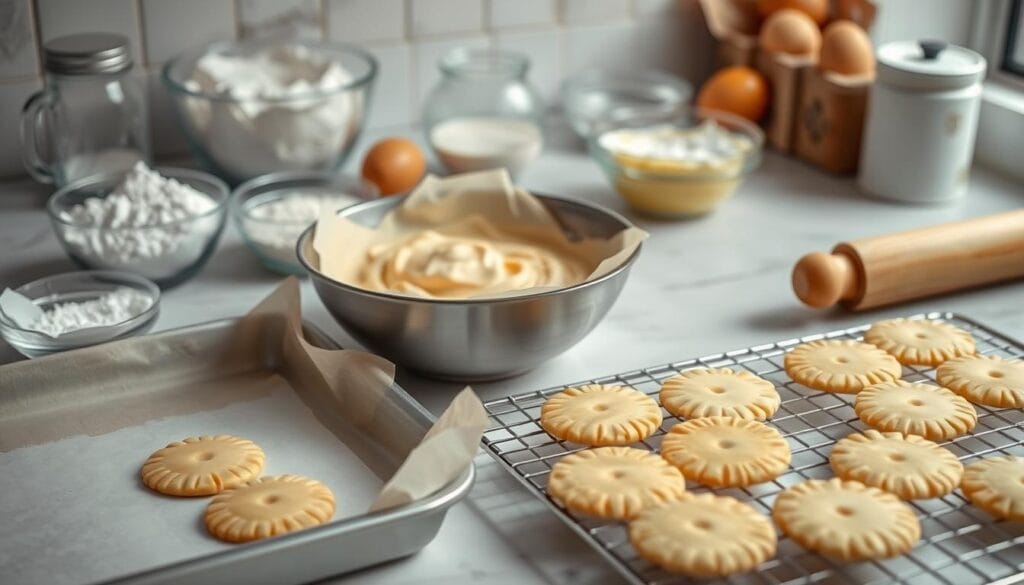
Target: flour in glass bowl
{"points": [[111, 308], [274, 227]]}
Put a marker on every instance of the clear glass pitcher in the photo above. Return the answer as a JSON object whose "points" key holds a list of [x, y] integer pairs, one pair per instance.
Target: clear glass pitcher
{"points": [[484, 113], [90, 117]]}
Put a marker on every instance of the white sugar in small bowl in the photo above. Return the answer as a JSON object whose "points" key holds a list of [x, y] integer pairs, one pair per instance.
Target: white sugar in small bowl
{"points": [[78, 287]]}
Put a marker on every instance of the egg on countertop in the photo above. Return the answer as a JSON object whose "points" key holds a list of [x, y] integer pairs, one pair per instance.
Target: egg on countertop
{"points": [[394, 165], [846, 49], [791, 32]]}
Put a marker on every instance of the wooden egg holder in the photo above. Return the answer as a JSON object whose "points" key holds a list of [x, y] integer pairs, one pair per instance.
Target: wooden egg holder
{"points": [[816, 115]]}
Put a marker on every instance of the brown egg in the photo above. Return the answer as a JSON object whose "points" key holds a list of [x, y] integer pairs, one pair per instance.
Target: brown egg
{"points": [[816, 9], [846, 49], [395, 165], [791, 32]]}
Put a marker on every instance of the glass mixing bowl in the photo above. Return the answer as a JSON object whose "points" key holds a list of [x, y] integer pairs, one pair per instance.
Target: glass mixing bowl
{"points": [[596, 98]]}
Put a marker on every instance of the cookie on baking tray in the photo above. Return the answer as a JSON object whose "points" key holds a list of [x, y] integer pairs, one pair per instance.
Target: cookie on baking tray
{"points": [[915, 408], [202, 466], [600, 415], [996, 485], [840, 365], [918, 342], [703, 536], [909, 466], [269, 506], [721, 451], [613, 482], [719, 392], [985, 379], [846, 520]]}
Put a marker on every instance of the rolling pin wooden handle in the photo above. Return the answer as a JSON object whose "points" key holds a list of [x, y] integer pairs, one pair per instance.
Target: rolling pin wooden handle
{"points": [[909, 265]]}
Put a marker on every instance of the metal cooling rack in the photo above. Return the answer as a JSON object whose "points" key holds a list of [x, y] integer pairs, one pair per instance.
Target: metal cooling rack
{"points": [[960, 544]]}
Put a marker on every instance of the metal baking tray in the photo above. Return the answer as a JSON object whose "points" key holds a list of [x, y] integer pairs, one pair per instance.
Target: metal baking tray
{"points": [[960, 544], [336, 547]]}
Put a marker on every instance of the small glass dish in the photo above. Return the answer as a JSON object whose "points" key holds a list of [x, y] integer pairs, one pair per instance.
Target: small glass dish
{"points": [[78, 287], [673, 188], [272, 236], [595, 97], [168, 253]]}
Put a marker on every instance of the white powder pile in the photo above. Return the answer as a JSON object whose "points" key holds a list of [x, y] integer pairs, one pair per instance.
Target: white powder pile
{"points": [[110, 309], [140, 225], [274, 227], [709, 143]]}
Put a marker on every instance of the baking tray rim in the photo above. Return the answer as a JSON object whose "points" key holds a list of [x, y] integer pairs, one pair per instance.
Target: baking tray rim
{"points": [[438, 501]]}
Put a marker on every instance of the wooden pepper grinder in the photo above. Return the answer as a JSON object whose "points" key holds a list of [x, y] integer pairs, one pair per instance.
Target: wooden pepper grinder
{"points": [[883, 270]]}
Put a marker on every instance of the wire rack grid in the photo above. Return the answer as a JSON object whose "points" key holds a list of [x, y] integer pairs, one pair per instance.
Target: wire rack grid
{"points": [[960, 544]]}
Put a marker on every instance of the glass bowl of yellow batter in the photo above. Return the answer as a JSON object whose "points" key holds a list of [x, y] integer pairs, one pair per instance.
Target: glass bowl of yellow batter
{"points": [[679, 164]]}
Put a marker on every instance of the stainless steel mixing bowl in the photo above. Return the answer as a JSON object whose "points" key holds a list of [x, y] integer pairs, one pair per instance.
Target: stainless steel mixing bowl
{"points": [[481, 339]]}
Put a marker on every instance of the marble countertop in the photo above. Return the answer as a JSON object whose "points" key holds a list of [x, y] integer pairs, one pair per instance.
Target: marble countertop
{"points": [[700, 287]]}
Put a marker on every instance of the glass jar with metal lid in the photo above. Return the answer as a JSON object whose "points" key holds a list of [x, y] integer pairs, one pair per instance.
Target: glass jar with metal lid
{"points": [[90, 117]]}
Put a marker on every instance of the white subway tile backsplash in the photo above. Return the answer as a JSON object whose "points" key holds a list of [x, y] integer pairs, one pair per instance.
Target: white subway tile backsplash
{"points": [[356, 21], [644, 8], [64, 17], [593, 11], [544, 49], [438, 17], [901, 20], [676, 41], [18, 56], [426, 55], [172, 27], [606, 46], [12, 97], [520, 13], [280, 18], [392, 93]]}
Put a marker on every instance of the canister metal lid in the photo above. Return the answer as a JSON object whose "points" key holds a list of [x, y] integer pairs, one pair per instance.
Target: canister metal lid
{"points": [[87, 54], [929, 65]]}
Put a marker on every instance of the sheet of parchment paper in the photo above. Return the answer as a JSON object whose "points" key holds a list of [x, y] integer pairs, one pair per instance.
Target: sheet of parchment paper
{"points": [[342, 246], [76, 427]]}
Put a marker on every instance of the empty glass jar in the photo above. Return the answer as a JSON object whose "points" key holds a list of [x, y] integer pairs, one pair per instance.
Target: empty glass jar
{"points": [[484, 113]]}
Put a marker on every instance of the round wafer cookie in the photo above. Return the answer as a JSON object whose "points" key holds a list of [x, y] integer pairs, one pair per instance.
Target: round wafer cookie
{"points": [[269, 506], [920, 342], [600, 415], [719, 392], [909, 466], [846, 519], [202, 466], [613, 482], [840, 365], [722, 451], [985, 379], [914, 408], [996, 485], [703, 536]]}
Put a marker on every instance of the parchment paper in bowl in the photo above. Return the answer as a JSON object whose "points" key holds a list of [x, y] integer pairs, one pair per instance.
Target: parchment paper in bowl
{"points": [[342, 245]]}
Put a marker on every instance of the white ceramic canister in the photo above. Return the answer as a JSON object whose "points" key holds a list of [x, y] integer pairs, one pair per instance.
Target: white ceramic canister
{"points": [[921, 122]]}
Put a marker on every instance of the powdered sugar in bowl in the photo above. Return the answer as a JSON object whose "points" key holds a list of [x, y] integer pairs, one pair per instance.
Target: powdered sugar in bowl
{"points": [[77, 309], [161, 223]]}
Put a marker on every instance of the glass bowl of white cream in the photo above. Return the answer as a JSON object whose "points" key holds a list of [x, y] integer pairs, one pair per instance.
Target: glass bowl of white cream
{"points": [[77, 309], [678, 164], [272, 211], [254, 107]]}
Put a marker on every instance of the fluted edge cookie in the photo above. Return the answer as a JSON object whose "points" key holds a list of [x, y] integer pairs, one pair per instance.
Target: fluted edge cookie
{"points": [[269, 506], [846, 520], [721, 451], [613, 482], [996, 485], [600, 415], [202, 466], [909, 466], [703, 536], [920, 342], [719, 392], [840, 365], [915, 408], [985, 379]]}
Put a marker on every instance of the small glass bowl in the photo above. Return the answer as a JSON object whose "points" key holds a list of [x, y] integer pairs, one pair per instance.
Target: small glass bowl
{"points": [[596, 98], [660, 188], [273, 240], [187, 244], [79, 287]]}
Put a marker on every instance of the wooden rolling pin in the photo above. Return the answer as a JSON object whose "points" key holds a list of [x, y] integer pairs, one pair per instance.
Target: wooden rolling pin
{"points": [[909, 265]]}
